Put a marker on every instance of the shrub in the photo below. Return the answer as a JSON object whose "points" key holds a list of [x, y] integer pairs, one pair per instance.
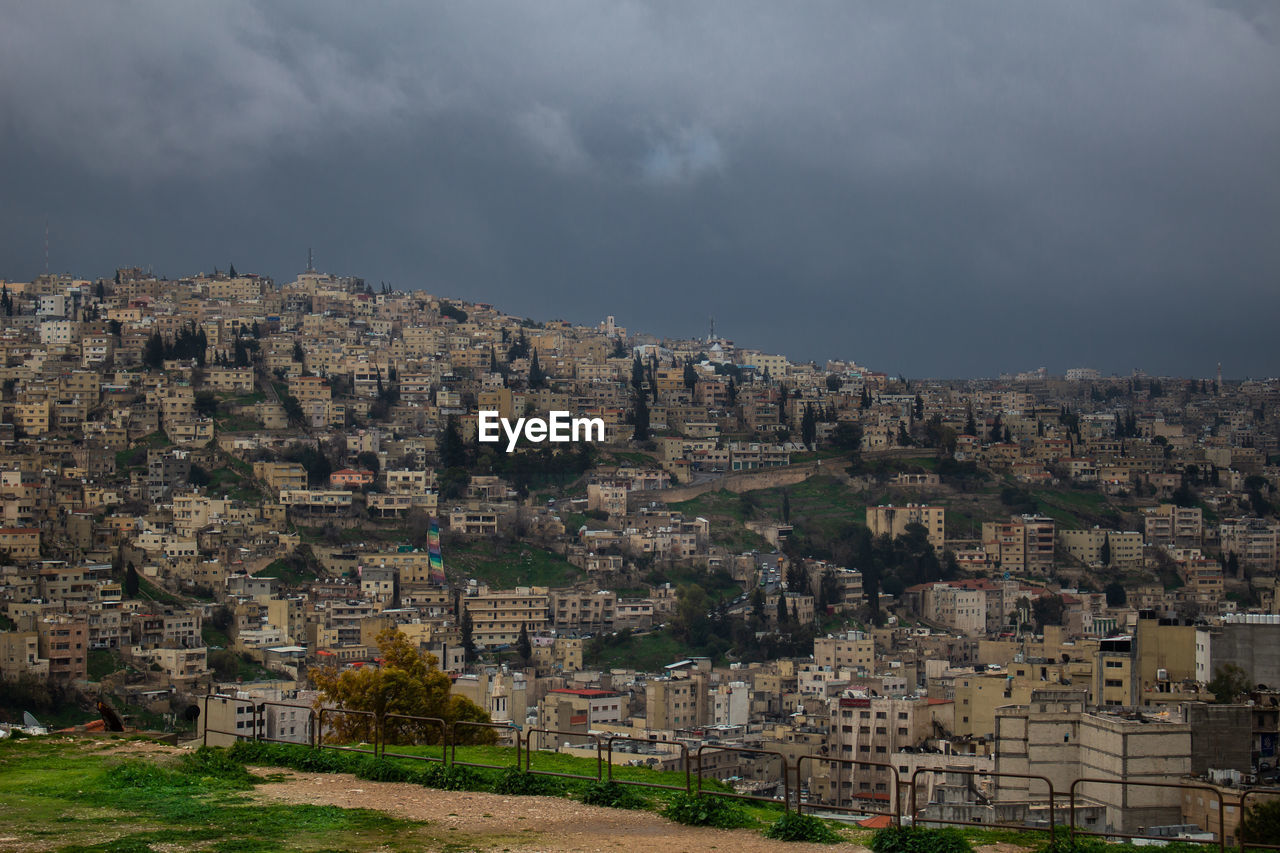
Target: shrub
{"points": [[802, 827], [1261, 823], [450, 778], [381, 770], [612, 795], [519, 783], [704, 810], [1064, 844], [916, 839], [210, 762]]}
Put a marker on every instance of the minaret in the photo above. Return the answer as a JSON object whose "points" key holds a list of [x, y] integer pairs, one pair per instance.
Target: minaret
{"points": [[1219, 376]]}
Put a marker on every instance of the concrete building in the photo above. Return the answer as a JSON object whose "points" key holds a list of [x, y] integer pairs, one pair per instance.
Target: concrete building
{"points": [[892, 521], [1055, 737]]}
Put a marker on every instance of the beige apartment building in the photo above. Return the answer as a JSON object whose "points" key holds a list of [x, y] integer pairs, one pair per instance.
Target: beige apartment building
{"points": [[892, 521], [497, 616], [1022, 545]]}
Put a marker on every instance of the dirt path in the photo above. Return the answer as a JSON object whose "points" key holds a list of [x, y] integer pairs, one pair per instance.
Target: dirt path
{"points": [[522, 824]]}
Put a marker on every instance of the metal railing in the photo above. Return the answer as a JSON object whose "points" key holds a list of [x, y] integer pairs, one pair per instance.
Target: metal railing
{"points": [[372, 724], [379, 732], [684, 762], [786, 773], [530, 749], [894, 799], [236, 734], [1242, 811], [311, 721], [417, 725], [971, 774], [1125, 783]]}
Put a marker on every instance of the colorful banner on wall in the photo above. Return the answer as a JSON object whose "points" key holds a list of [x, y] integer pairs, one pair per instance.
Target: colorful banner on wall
{"points": [[435, 557]]}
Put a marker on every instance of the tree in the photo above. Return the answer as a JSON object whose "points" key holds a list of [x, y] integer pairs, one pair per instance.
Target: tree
{"points": [[1117, 596], [524, 647], [690, 376], [231, 273], [131, 582], [368, 460], [782, 615], [690, 623], [847, 436], [1104, 553], [1047, 610], [1229, 683], [641, 419], [997, 430], [153, 354], [468, 636], [537, 379], [1260, 823], [406, 683], [970, 425], [757, 605], [809, 426]]}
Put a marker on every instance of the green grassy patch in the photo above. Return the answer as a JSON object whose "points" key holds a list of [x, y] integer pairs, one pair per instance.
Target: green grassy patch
{"points": [[149, 591], [105, 803], [507, 565], [647, 652]]}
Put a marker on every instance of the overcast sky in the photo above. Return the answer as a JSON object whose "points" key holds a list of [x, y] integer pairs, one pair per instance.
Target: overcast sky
{"points": [[932, 189]]}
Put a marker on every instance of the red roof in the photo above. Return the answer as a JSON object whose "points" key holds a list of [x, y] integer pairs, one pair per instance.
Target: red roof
{"points": [[880, 821]]}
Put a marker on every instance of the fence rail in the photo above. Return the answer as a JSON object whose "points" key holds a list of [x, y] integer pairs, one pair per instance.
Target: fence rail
{"points": [[391, 729]]}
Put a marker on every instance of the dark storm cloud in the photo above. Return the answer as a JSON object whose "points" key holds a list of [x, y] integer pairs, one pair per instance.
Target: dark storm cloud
{"points": [[932, 188]]}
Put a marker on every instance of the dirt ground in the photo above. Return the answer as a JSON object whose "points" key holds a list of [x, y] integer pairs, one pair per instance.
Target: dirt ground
{"points": [[521, 824]]}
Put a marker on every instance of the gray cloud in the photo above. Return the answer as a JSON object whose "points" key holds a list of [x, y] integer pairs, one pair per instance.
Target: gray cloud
{"points": [[936, 188]]}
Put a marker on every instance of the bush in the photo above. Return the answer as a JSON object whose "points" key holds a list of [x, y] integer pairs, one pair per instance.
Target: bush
{"points": [[210, 762], [381, 770], [450, 778], [516, 782], [704, 810], [1064, 844], [1261, 823], [802, 827], [614, 796], [916, 839]]}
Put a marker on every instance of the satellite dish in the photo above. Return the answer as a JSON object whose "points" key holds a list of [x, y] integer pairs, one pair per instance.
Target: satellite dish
{"points": [[30, 721]]}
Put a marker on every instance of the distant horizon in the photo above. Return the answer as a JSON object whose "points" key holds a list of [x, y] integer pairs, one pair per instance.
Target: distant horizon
{"points": [[1104, 375]]}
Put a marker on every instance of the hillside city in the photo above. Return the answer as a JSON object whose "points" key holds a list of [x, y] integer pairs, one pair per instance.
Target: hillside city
{"points": [[214, 485]]}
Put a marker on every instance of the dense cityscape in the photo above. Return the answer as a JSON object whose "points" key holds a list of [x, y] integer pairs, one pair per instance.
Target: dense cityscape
{"points": [[221, 492]]}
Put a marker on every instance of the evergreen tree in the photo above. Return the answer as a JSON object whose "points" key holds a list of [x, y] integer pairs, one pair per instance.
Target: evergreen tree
{"points": [[231, 273], [690, 376], [641, 419], [1104, 554], [757, 605], [468, 638], [809, 426], [731, 393], [153, 354], [997, 430], [970, 425], [919, 407], [537, 379], [131, 582], [637, 373], [782, 615], [524, 647]]}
